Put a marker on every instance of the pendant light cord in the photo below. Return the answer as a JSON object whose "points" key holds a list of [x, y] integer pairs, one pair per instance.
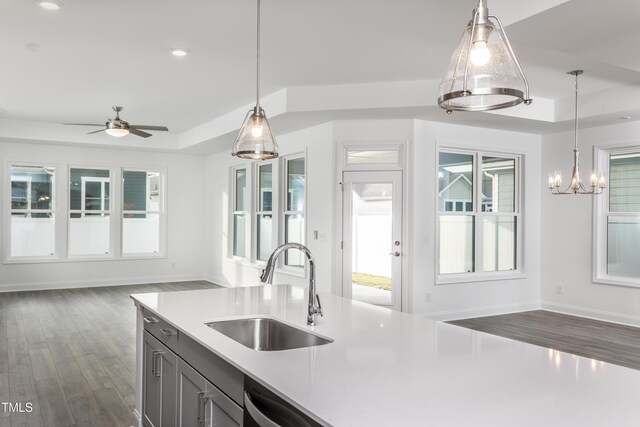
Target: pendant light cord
{"points": [[258, 57], [575, 129]]}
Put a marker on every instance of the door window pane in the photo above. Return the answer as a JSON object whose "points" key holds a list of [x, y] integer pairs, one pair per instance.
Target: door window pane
{"points": [[32, 211], [456, 244], [142, 213], [372, 232], [455, 180], [265, 188], [89, 216], [499, 243], [623, 235], [498, 184]]}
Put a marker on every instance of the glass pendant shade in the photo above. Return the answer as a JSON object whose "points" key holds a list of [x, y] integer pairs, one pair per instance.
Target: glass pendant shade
{"points": [[255, 140], [483, 73]]}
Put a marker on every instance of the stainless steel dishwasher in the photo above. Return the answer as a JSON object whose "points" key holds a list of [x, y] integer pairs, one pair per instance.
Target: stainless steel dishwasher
{"points": [[262, 408]]}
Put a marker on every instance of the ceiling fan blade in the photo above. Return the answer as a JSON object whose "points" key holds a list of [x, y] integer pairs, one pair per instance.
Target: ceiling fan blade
{"points": [[96, 131], [82, 124], [145, 127], [139, 132]]}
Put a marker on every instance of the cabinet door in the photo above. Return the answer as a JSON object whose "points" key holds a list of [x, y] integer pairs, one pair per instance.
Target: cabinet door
{"points": [[159, 384], [201, 404]]}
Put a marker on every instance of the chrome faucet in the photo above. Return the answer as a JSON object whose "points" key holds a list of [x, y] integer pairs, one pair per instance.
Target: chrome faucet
{"points": [[314, 307]]}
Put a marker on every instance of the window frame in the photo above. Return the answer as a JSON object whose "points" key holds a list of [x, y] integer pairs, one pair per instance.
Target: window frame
{"points": [[112, 212], [601, 214], [478, 215], [246, 213], [8, 258], [256, 212], [161, 212], [284, 188]]}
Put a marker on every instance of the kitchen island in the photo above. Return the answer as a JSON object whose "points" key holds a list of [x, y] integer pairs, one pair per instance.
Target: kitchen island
{"points": [[388, 368]]}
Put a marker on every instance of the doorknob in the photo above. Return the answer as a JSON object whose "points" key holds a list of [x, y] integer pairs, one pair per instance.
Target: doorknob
{"points": [[396, 253]]}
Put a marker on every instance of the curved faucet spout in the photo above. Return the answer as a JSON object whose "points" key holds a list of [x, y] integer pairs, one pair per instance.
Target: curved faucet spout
{"points": [[315, 307]]}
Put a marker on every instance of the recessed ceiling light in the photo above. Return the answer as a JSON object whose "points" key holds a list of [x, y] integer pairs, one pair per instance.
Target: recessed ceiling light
{"points": [[180, 52], [49, 4]]}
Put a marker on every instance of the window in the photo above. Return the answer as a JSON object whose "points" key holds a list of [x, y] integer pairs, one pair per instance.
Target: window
{"points": [[478, 222], [32, 223], [294, 209], [618, 218], [264, 212], [89, 212], [142, 212], [240, 212]]}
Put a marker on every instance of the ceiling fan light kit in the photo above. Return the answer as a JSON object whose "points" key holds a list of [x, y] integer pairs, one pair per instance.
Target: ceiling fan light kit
{"points": [[255, 140], [484, 73], [49, 4], [118, 128]]}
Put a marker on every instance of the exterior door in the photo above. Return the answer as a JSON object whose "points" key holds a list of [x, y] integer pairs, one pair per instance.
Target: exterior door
{"points": [[372, 237]]}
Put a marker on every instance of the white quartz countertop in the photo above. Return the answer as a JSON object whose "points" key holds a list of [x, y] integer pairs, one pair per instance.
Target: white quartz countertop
{"points": [[387, 368]]}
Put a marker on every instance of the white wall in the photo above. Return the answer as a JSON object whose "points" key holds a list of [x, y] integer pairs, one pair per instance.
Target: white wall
{"points": [[461, 300], [317, 142], [185, 215], [568, 229]]}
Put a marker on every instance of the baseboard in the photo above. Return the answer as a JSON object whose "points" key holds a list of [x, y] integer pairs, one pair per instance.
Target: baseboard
{"points": [[137, 419], [70, 284], [493, 310], [607, 316]]}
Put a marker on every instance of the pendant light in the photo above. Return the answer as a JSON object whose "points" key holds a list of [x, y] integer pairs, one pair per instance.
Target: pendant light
{"points": [[255, 140], [484, 73], [597, 180]]}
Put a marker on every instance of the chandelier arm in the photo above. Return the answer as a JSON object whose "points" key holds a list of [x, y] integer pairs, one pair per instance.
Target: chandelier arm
{"points": [[575, 126], [527, 100]]}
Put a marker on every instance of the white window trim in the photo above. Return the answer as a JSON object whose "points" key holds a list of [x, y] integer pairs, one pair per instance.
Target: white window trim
{"points": [[113, 222], [481, 276], [247, 213], [275, 196], [162, 212], [8, 258], [600, 214], [281, 267]]}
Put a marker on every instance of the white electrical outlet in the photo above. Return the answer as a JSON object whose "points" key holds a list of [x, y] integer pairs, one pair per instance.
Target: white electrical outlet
{"points": [[559, 289]]}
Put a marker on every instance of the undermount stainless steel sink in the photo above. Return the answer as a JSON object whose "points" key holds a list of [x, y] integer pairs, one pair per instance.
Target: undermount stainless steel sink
{"points": [[266, 334]]}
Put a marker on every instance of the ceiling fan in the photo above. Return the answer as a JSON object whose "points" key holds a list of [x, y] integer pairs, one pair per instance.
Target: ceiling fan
{"points": [[118, 127]]}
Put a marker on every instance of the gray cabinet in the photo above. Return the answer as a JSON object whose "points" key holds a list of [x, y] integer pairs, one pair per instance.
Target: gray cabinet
{"points": [[201, 404], [159, 384], [183, 383]]}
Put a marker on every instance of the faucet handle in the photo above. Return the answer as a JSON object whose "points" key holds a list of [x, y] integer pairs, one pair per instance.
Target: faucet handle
{"points": [[319, 309]]}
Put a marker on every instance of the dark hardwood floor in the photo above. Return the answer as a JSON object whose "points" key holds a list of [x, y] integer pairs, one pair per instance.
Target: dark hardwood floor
{"points": [[71, 354], [608, 342]]}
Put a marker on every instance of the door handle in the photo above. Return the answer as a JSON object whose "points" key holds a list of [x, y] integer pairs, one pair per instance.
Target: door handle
{"points": [[201, 408], [167, 332], [396, 253], [150, 320]]}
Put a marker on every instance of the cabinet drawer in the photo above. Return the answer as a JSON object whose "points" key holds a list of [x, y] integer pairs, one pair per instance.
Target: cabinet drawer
{"points": [[160, 329], [227, 378]]}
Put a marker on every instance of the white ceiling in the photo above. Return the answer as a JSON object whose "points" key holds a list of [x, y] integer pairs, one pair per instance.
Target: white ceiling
{"points": [[94, 54]]}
